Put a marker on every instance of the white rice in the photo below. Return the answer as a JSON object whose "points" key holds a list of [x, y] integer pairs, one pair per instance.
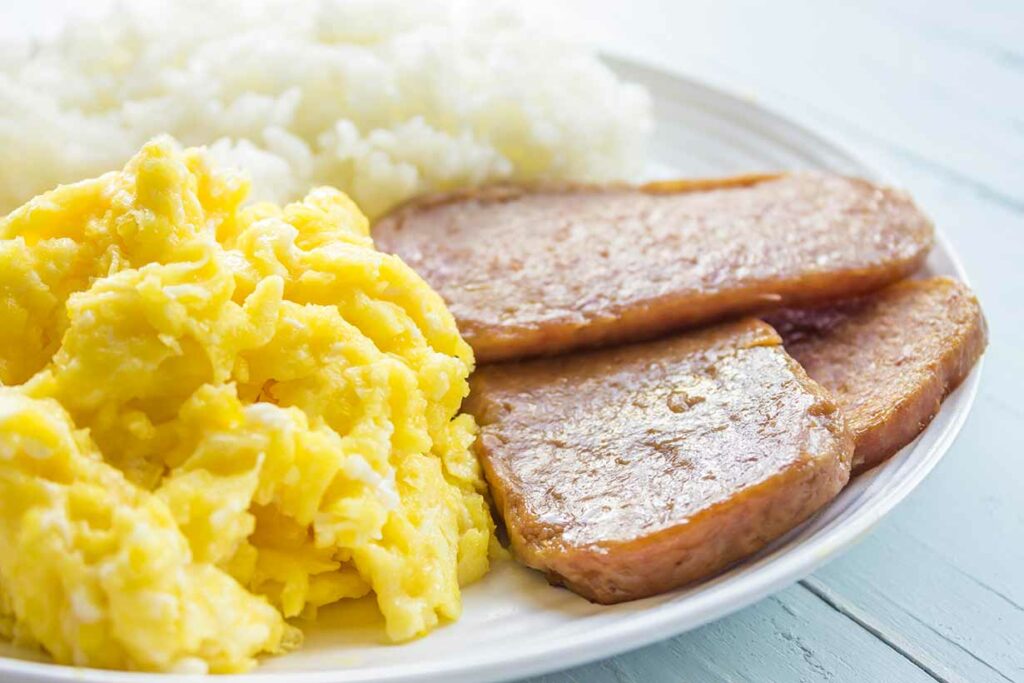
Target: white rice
{"points": [[383, 99]]}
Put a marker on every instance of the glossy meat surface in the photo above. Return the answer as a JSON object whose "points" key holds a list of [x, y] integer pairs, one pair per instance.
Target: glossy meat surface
{"points": [[630, 471], [536, 272], [889, 358]]}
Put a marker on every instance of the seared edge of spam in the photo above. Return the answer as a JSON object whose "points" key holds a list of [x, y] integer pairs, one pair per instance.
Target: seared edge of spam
{"points": [[616, 571], [845, 329], [673, 310], [503, 192]]}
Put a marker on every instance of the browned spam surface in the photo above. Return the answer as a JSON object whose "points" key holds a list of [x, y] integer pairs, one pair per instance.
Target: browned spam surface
{"points": [[630, 471], [889, 358], [531, 272]]}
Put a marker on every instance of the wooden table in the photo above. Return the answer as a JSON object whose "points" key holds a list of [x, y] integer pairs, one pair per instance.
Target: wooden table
{"points": [[933, 93]]}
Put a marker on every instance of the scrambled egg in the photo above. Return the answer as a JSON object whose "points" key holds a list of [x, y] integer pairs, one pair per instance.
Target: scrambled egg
{"points": [[216, 417]]}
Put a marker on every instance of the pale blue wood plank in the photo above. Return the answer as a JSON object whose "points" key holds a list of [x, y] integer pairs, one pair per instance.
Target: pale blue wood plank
{"points": [[993, 27], [914, 599], [792, 636], [864, 71]]}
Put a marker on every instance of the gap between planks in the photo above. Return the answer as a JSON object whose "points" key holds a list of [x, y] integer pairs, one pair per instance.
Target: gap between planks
{"points": [[835, 600], [820, 591]]}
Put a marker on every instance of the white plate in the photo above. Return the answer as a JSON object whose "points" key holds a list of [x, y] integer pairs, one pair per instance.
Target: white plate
{"points": [[513, 623]]}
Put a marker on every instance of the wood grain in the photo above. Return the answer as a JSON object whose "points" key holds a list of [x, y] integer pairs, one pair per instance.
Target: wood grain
{"points": [[791, 636]]}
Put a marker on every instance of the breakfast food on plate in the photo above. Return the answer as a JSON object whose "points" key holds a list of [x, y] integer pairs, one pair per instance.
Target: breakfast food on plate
{"points": [[529, 272], [889, 358], [383, 100], [216, 417], [219, 414], [630, 471]]}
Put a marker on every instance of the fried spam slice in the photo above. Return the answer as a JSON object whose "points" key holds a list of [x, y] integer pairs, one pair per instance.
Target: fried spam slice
{"points": [[889, 358], [627, 472], [539, 271]]}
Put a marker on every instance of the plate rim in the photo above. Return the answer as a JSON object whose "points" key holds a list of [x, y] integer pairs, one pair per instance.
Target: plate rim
{"points": [[659, 623]]}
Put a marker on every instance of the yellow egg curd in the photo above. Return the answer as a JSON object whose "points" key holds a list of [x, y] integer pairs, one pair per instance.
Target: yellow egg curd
{"points": [[216, 417]]}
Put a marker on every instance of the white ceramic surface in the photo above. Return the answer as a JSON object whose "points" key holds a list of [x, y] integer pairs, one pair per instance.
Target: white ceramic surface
{"points": [[514, 624]]}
